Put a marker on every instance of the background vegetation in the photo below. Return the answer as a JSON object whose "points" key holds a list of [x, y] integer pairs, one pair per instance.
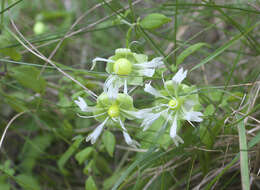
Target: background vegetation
{"points": [[44, 147]]}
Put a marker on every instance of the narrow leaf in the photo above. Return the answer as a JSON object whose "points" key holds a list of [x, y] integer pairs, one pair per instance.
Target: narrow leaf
{"points": [[65, 157], [154, 20], [188, 52], [243, 155], [84, 154], [90, 184]]}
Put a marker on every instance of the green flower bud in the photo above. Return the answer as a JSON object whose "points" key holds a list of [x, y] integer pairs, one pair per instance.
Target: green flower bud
{"points": [[122, 67], [39, 28]]}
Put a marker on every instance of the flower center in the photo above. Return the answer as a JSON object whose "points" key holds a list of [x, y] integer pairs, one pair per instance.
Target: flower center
{"points": [[173, 104], [113, 111], [122, 67]]}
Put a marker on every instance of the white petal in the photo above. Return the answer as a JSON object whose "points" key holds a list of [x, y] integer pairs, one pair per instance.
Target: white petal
{"points": [[173, 132], [125, 86], [112, 85], [193, 116], [177, 139], [140, 114], [148, 121], [173, 129], [94, 61], [151, 90], [143, 113], [81, 103], [156, 62], [150, 118], [146, 72], [179, 76], [95, 134], [127, 137], [129, 140]]}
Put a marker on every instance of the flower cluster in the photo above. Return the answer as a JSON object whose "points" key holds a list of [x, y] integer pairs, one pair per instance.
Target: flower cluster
{"points": [[175, 102]]}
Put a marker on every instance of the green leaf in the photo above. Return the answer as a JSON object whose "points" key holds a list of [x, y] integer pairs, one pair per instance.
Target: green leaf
{"points": [[243, 155], [209, 110], [33, 150], [5, 186], [109, 141], [65, 157], [154, 20], [6, 168], [84, 154], [17, 104], [12, 53], [102, 165], [90, 184], [30, 78], [27, 182], [88, 167], [189, 51]]}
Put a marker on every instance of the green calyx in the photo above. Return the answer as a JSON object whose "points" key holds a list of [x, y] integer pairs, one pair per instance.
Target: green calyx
{"points": [[122, 66], [113, 108], [113, 111]]}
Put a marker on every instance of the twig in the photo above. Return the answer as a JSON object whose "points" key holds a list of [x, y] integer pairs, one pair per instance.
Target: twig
{"points": [[8, 125]]}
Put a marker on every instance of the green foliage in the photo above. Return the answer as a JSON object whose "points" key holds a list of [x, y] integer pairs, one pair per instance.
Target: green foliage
{"points": [[33, 150], [65, 157], [154, 21], [29, 78], [45, 148], [187, 52], [109, 142], [90, 184], [84, 154], [27, 182]]}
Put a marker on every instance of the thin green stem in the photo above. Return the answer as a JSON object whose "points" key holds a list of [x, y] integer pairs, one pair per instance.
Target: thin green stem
{"points": [[175, 32]]}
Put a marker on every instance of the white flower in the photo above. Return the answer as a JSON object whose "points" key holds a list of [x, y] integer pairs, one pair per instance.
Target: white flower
{"points": [[110, 114], [172, 106], [127, 68]]}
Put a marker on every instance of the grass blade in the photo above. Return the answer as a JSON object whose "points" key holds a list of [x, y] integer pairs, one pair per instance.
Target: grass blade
{"points": [[243, 155]]}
